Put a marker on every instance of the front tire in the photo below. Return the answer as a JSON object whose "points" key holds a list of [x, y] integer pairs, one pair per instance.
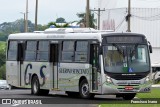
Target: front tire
{"points": [[10, 87], [84, 90]]}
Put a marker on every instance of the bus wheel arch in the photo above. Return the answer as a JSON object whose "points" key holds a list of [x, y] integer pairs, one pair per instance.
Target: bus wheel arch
{"points": [[84, 88], [35, 86], [33, 75], [81, 79]]}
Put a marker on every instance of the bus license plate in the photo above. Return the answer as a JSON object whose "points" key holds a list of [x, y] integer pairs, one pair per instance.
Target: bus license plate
{"points": [[128, 88]]}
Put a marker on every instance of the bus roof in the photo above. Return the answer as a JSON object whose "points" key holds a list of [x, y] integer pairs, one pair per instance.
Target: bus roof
{"points": [[54, 36], [122, 34], [68, 34], [70, 30]]}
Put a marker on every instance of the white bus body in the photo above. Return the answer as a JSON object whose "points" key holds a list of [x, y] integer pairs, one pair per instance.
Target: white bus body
{"points": [[72, 62]]}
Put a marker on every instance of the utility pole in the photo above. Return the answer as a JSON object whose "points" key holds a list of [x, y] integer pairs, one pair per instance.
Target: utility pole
{"points": [[128, 17], [26, 27], [99, 14], [36, 14], [87, 14], [24, 20]]}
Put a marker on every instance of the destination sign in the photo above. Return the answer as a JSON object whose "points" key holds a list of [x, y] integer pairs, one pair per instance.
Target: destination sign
{"points": [[124, 39]]}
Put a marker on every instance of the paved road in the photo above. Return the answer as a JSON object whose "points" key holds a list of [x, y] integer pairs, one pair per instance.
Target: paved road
{"points": [[54, 100]]}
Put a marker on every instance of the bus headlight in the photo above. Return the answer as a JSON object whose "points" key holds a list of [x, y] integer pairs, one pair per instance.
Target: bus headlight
{"points": [[108, 79]]}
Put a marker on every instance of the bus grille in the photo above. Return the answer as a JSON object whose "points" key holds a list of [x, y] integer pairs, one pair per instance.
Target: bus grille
{"points": [[128, 77], [117, 76]]}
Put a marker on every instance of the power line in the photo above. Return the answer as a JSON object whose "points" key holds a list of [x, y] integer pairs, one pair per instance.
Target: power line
{"points": [[118, 26], [147, 18], [150, 18], [150, 0]]}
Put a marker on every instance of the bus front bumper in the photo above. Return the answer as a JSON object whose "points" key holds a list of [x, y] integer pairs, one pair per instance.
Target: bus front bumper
{"points": [[115, 89]]}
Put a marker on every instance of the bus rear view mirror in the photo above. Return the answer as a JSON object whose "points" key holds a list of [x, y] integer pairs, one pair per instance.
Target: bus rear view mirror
{"points": [[150, 48]]}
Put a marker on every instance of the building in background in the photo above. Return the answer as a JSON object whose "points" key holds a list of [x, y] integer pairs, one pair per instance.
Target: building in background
{"points": [[145, 19]]}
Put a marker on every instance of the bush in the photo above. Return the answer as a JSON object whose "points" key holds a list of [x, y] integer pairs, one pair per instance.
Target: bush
{"points": [[3, 72]]}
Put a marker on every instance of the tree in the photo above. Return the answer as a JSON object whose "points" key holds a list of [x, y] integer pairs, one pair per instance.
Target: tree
{"points": [[60, 20], [57, 23], [17, 26], [3, 36], [3, 72], [41, 27], [2, 53], [2, 60], [82, 17]]}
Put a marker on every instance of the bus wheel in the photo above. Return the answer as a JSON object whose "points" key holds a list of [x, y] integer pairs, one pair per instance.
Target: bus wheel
{"points": [[129, 96], [11, 87], [35, 86], [84, 90]]}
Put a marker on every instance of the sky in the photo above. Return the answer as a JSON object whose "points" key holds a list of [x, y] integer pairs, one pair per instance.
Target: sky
{"points": [[49, 10], [108, 4]]}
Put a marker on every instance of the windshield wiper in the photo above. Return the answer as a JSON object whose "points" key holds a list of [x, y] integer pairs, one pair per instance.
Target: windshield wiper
{"points": [[121, 51]]}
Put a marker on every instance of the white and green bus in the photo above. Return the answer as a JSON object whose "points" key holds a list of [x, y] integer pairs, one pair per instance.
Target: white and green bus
{"points": [[79, 61]]}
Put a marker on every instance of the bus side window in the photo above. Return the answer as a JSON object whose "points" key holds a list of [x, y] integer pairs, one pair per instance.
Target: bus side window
{"points": [[42, 53], [30, 53], [68, 51], [12, 50], [81, 51]]}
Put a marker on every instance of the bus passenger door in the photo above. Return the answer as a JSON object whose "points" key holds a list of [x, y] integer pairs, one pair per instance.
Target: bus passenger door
{"points": [[94, 61], [54, 64], [20, 59]]}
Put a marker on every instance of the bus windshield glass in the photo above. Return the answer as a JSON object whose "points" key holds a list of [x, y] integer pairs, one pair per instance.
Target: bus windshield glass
{"points": [[126, 58]]}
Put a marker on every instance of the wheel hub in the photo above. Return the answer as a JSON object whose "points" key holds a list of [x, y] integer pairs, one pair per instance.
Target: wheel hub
{"points": [[35, 86], [85, 89]]}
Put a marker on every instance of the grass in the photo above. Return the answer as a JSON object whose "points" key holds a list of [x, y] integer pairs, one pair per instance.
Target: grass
{"points": [[2, 43], [158, 82], [155, 93], [129, 105]]}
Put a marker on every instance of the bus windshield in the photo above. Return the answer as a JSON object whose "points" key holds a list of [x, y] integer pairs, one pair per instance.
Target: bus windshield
{"points": [[126, 58]]}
